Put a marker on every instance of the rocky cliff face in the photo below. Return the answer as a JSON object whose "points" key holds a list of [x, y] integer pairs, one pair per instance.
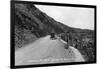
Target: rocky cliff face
{"points": [[31, 24]]}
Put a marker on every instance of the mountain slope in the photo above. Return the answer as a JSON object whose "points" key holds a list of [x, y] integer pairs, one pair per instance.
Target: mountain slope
{"points": [[31, 24]]}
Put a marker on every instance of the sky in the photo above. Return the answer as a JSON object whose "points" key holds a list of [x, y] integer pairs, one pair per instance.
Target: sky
{"points": [[72, 16]]}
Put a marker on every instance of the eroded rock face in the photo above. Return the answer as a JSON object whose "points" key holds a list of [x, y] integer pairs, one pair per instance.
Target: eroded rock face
{"points": [[31, 24]]}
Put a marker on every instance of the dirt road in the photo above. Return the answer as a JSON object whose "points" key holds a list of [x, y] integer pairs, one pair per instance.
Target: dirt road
{"points": [[45, 51]]}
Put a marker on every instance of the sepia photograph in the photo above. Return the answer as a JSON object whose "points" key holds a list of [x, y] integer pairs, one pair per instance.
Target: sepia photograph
{"points": [[47, 33]]}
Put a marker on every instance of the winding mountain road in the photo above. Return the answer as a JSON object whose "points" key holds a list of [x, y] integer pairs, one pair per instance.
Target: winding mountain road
{"points": [[45, 50]]}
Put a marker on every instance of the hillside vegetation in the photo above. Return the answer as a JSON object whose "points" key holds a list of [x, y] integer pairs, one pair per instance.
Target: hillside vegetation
{"points": [[31, 24]]}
